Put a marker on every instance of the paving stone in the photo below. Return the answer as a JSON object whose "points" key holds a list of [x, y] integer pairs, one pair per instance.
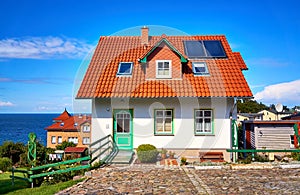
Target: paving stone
{"points": [[153, 179]]}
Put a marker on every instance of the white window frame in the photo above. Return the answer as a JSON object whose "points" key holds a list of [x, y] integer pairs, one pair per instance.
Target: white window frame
{"points": [[202, 130], [59, 139], [85, 142], [163, 117], [73, 139], [170, 69], [125, 74], [200, 64], [53, 139], [86, 128]]}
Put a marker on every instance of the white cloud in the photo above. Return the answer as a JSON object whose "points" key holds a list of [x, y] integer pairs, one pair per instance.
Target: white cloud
{"points": [[43, 48], [6, 104], [287, 93]]}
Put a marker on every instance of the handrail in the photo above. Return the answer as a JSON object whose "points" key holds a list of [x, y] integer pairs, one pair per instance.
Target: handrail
{"points": [[113, 149]]}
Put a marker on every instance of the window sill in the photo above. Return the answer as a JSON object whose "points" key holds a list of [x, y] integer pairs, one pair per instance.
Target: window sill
{"points": [[158, 134], [205, 134]]}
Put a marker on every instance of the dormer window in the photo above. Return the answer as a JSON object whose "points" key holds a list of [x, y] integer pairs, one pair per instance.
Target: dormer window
{"points": [[163, 69], [200, 68], [125, 69]]}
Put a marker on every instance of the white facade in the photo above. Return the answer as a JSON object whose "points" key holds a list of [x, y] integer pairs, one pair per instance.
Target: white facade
{"points": [[183, 121]]}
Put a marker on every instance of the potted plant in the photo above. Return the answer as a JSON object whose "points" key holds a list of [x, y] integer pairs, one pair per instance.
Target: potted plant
{"points": [[164, 153], [183, 161], [171, 154]]}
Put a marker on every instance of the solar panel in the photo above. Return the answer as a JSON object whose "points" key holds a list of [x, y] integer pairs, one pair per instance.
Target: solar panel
{"points": [[194, 49], [204, 49], [214, 49]]}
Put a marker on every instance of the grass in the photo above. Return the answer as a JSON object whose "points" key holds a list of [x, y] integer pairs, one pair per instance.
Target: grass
{"points": [[22, 187]]}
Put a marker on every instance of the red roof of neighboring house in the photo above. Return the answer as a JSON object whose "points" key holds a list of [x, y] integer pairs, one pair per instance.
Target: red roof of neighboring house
{"points": [[75, 149], [225, 80], [72, 123], [63, 116]]}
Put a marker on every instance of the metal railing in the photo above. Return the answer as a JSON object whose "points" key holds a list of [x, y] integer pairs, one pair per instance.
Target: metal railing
{"points": [[106, 151]]}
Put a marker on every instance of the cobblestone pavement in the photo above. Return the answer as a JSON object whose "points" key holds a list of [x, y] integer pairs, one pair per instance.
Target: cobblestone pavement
{"points": [[140, 179]]}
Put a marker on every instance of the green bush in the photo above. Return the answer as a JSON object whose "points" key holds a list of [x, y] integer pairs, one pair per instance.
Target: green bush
{"points": [[147, 153], [295, 156], [5, 164]]}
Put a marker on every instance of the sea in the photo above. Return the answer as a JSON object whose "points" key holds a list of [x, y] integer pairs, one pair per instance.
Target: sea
{"points": [[16, 127]]}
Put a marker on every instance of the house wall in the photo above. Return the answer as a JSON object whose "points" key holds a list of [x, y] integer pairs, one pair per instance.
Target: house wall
{"points": [[183, 108], [65, 135], [273, 136], [163, 53]]}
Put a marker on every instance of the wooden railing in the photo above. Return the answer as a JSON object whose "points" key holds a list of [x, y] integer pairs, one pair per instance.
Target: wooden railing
{"points": [[105, 152]]}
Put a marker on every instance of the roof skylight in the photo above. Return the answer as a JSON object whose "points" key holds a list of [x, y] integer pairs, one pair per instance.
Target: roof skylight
{"points": [[200, 68], [125, 68]]}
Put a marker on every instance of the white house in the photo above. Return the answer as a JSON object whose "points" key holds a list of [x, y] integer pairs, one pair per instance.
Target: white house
{"points": [[174, 92]]}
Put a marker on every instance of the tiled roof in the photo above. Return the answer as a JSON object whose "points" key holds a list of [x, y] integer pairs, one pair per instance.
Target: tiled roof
{"points": [[75, 149], [225, 80], [63, 116], [69, 123]]}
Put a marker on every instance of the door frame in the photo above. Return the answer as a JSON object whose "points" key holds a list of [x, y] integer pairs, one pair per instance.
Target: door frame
{"points": [[114, 131]]}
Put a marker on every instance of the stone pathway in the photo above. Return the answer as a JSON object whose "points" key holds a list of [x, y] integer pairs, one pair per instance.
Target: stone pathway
{"points": [[152, 179]]}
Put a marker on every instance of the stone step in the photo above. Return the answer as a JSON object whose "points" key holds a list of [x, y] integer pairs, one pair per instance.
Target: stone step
{"points": [[123, 157]]}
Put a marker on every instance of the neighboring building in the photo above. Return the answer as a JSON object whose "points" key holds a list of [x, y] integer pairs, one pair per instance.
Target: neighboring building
{"points": [[174, 92], [271, 115], [269, 134], [249, 116], [295, 116], [76, 129]]}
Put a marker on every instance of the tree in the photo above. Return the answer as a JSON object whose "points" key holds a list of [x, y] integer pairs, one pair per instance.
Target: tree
{"points": [[12, 150], [250, 106], [64, 145]]}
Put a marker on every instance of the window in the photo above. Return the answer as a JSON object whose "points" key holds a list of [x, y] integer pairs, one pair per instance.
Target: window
{"points": [[59, 139], [125, 68], [200, 68], [73, 139], [53, 139], [163, 69], [203, 122], [204, 49], [85, 140], [123, 122], [163, 122], [86, 128]]}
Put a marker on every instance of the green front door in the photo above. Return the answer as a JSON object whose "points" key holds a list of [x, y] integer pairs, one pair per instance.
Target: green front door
{"points": [[123, 128]]}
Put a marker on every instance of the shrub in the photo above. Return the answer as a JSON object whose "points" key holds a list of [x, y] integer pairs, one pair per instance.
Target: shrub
{"points": [[295, 156], [147, 153], [5, 164], [183, 161]]}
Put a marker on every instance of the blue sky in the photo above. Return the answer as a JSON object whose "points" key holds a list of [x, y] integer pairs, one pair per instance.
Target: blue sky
{"points": [[43, 43]]}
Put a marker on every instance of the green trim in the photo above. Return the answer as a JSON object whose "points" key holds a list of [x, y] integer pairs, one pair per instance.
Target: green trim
{"points": [[182, 58], [212, 123], [261, 150], [115, 111], [163, 133]]}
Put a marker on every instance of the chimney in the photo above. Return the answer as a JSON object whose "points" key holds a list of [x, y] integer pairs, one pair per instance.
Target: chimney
{"points": [[145, 35]]}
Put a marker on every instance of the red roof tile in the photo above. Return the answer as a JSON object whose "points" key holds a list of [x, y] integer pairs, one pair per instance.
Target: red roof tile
{"points": [[72, 123], [226, 78]]}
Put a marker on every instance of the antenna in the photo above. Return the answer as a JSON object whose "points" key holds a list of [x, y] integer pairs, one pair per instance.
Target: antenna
{"points": [[279, 107]]}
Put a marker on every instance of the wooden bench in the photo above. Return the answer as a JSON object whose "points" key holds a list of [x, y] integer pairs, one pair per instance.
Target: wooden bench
{"points": [[211, 156]]}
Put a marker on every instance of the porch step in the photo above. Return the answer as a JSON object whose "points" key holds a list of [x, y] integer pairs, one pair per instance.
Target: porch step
{"points": [[123, 157]]}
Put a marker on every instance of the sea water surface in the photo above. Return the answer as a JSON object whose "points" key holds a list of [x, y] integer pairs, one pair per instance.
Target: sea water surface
{"points": [[16, 127]]}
